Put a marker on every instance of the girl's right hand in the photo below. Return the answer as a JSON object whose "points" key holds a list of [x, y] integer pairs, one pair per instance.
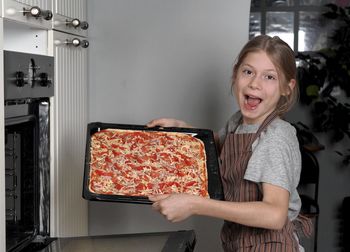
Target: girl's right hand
{"points": [[168, 122]]}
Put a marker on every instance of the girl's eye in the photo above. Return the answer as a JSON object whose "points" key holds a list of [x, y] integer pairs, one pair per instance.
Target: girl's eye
{"points": [[247, 72], [270, 77]]}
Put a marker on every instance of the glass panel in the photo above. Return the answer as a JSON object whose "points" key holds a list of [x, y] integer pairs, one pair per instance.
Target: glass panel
{"points": [[254, 24], [323, 2], [281, 24], [273, 3], [314, 31], [255, 4]]}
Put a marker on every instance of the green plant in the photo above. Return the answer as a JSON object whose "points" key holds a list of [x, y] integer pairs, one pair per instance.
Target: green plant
{"points": [[325, 73]]}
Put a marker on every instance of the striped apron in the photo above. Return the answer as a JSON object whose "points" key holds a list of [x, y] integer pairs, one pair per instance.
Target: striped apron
{"points": [[235, 155]]}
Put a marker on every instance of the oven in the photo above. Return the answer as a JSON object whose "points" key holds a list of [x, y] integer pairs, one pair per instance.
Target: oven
{"points": [[28, 83]]}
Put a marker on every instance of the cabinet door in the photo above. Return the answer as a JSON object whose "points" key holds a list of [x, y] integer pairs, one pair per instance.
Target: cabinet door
{"points": [[69, 210], [71, 16], [33, 12]]}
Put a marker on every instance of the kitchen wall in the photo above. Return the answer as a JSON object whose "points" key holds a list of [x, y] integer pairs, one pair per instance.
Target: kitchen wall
{"points": [[158, 58]]}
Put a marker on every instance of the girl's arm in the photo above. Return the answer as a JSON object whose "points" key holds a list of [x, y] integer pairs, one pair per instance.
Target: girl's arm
{"points": [[270, 213], [168, 122]]}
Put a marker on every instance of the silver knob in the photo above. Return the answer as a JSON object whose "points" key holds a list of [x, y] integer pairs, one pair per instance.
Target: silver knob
{"points": [[74, 22], [84, 25], [77, 23], [36, 12], [85, 44], [77, 42]]}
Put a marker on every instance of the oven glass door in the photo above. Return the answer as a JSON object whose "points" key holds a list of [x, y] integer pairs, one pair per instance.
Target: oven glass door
{"points": [[21, 175]]}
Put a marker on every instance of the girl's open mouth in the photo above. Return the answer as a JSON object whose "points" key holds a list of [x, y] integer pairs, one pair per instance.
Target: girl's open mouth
{"points": [[252, 102]]}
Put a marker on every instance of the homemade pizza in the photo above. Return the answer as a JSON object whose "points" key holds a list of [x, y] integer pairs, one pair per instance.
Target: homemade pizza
{"points": [[142, 163]]}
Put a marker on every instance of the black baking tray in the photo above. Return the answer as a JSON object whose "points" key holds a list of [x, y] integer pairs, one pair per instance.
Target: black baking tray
{"points": [[214, 181]]}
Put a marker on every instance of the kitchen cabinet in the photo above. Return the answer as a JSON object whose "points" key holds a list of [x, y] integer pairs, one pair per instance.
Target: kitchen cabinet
{"points": [[69, 215], [68, 45], [29, 12], [70, 16]]}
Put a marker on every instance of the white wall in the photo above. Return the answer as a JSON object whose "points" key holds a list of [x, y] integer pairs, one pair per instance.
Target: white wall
{"points": [[158, 58]]}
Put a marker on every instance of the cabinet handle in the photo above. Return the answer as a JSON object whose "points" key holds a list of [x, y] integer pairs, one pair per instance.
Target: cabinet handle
{"points": [[77, 23], [74, 22], [75, 42], [85, 43], [36, 12], [84, 25]]}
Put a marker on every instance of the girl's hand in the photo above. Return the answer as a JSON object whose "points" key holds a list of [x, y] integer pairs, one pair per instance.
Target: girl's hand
{"points": [[175, 207], [168, 122]]}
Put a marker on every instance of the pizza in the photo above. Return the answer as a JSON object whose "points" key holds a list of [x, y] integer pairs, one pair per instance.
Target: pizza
{"points": [[142, 163]]}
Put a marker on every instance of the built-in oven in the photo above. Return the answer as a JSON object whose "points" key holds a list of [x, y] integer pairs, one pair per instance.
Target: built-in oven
{"points": [[28, 84]]}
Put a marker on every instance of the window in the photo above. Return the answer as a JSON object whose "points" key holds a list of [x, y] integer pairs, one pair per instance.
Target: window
{"points": [[298, 22]]}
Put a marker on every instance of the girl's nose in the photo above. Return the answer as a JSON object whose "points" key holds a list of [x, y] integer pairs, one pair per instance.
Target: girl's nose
{"points": [[254, 83]]}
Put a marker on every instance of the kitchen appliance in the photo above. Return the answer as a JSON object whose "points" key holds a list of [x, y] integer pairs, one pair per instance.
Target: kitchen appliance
{"points": [[28, 86]]}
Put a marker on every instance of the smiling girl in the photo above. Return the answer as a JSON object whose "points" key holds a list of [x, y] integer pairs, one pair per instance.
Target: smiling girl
{"points": [[260, 157]]}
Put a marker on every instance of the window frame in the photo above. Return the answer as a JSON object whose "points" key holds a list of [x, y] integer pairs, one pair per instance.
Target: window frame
{"points": [[296, 8]]}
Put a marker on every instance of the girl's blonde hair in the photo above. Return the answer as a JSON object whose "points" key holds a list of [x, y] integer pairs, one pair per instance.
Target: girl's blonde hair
{"points": [[283, 58]]}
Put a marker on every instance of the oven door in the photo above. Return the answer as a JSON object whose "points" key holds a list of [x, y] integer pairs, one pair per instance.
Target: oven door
{"points": [[27, 173], [21, 180]]}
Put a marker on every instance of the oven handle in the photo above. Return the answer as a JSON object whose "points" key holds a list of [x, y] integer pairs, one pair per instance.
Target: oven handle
{"points": [[18, 120]]}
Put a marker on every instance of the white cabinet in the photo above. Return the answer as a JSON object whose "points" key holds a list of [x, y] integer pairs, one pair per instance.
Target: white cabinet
{"points": [[70, 16], [24, 38], [30, 12], [69, 211]]}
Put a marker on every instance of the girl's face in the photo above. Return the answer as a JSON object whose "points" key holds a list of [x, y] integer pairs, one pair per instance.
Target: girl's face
{"points": [[257, 87]]}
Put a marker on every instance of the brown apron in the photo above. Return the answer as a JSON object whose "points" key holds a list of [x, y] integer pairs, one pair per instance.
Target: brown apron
{"points": [[235, 155]]}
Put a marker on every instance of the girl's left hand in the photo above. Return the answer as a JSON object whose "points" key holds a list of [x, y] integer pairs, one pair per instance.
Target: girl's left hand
{"points": [[175, 207]]}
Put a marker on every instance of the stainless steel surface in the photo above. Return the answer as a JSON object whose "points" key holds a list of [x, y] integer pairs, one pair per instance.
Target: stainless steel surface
{"points": [[181, 241], [27, 75], [107, 244]]}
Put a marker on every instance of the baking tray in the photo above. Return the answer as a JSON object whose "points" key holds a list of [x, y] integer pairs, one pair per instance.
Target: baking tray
{"points": [[214, 181]]}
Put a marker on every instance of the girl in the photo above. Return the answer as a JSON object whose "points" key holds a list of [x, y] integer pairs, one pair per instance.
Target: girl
{"points": [[260, 157]]}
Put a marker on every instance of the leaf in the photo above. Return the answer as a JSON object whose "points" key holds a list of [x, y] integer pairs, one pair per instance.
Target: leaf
{"points": [[339, 153], [312, 90], [342, 12], [303, 125], [330, 15], [332, 6]]}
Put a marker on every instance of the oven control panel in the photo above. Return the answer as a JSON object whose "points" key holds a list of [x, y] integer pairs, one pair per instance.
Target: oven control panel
{"points": [[28, 75]]}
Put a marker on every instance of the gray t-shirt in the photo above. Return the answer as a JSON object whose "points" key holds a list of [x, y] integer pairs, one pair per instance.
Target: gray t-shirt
{"points": [[275, 159]]}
